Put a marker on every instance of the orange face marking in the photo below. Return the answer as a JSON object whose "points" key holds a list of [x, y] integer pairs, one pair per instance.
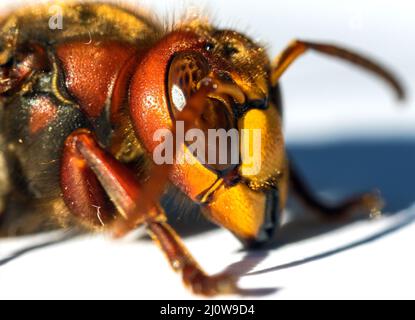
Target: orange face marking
{"points": [[42, 112]]}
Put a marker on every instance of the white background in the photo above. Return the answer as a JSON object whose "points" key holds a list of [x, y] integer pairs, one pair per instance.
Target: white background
{"points": [[345, 130]]}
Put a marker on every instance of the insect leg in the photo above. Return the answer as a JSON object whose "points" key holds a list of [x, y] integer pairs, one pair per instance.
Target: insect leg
{"points": [[369, 202], [181, 261], [89, 173], [297, 48]]}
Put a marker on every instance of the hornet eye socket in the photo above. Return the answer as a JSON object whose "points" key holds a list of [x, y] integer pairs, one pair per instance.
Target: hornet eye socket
{"points": [[185, 72]]}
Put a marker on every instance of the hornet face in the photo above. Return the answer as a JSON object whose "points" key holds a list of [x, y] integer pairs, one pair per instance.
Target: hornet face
{"points": [[244, 197]]}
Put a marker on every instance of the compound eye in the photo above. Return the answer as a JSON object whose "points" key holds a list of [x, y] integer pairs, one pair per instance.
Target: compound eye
{"points": [[186, 71]]}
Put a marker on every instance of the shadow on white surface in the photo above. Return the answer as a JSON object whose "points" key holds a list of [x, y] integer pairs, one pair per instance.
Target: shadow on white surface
{"points": [[55, 239], [406, 221]]}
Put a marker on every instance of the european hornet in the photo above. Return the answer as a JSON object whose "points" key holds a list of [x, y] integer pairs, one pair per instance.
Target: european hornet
{"points": [[80, 106]]}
